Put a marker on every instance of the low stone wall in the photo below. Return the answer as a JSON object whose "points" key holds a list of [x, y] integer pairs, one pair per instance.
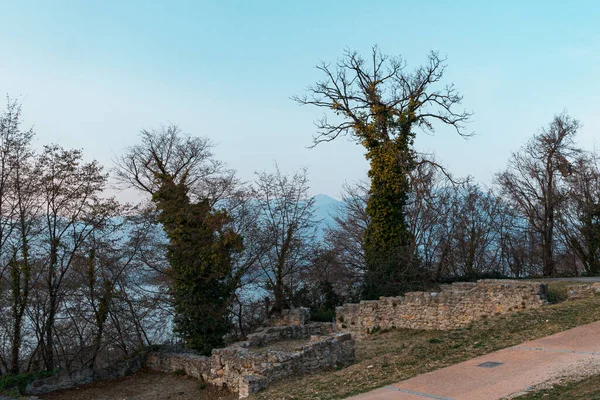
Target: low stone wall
{"points": [[291, 317], [582, 291], [247, 369], [66, 380], [455, 306], [268, 335]]}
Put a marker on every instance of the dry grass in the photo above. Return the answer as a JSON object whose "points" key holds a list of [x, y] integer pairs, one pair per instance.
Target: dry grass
{"points": [[396, 355], [587, 389]]}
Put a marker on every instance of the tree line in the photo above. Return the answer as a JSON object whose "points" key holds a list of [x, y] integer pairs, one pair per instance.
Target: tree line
{"points": [[205, 257]]}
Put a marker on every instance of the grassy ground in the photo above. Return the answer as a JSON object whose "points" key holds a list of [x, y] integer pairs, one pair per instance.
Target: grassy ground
{"points": [[400, 354], [587, 389]]}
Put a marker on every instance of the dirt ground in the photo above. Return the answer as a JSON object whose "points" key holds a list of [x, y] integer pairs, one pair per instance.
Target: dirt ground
{"points": [[144, 385]]}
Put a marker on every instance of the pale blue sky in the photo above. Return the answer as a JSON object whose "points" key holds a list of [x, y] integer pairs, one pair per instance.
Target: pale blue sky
{"points": [[91, 74]]}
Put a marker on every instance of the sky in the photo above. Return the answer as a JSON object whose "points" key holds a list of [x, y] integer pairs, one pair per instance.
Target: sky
{"points": [[92, 74]]}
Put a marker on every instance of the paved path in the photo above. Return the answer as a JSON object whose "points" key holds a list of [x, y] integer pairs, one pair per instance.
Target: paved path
{"points": [[523, 366]]}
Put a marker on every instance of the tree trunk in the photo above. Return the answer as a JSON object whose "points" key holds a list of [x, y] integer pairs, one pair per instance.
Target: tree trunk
{"points": [[548, 235], [279, 293], [16, 343], [49, 328]]}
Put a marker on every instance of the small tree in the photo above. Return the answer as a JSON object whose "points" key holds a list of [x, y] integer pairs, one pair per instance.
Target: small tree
{"points": [[73, 210], [345, 237], [288, 231], [474, 239], [381, 106], [534, 182], [581, 221], [19, 222]]}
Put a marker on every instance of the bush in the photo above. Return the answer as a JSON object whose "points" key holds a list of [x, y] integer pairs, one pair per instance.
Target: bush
{"points": [[557, 293], [322, 315], [16, 384]]}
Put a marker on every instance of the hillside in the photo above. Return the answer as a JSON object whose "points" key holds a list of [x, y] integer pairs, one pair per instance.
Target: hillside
{"points": [[325, 208]]}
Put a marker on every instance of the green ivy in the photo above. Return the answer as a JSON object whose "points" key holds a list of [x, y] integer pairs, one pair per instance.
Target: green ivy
{"points": [[199, 253], [388, 240]]}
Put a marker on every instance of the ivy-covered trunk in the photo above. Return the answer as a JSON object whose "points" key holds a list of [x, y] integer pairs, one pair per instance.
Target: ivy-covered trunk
{"points": [[388, 240], [199, 253]]}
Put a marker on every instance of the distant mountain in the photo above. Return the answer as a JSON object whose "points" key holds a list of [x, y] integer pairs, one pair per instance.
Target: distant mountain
{"points": [[325, 208]]}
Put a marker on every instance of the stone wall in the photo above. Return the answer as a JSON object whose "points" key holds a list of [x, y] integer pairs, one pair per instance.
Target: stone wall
{"points": [[291, 317], [247, 367], [582, 291], [268, 335], [454, 306], [66, 380]]}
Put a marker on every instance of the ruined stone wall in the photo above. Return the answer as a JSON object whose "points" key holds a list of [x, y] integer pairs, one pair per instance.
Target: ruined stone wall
{"points": [[291, 317], [267, 335], [271, 353], [247, 369], [455, 306], [583, 291], [66, 380]]}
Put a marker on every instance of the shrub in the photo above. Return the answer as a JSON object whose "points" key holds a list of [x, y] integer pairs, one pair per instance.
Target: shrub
{"points": [[323, 316], [16, 384]]}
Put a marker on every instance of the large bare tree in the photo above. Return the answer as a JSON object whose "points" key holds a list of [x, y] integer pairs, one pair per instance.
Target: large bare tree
{"points": [[18, 220], [382, 106]]}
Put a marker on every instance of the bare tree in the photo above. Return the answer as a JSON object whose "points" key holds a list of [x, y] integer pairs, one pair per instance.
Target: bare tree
{"points": [[429, 206], [534, 181], [11, 138], [18, 218], [346, 236], [476, 235], [288, 230], [74, 269], [187, 160], [25, 184], [73, 208], [580, 223]]}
